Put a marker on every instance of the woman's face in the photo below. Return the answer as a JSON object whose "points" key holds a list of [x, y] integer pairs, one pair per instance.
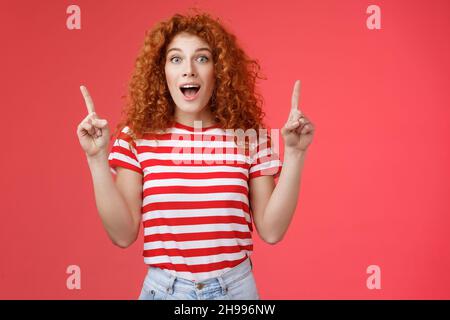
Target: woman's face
{"points": [[189, 61]]}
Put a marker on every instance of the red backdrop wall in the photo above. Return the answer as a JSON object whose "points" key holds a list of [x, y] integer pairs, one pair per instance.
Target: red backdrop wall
{"points": [[375, 186]]}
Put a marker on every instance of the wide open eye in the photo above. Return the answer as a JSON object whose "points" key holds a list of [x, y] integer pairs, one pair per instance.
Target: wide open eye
{"points": [[204, 60]]}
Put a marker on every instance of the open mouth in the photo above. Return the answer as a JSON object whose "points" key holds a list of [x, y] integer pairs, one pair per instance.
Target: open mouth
{"points": [[190, 91]]}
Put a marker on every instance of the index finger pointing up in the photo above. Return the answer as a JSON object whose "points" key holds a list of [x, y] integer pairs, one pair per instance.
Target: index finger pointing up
{"points": [[295, 95], [87, 99]]}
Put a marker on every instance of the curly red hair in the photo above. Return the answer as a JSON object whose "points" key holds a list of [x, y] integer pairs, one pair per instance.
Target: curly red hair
{"points": [[235, 103]]}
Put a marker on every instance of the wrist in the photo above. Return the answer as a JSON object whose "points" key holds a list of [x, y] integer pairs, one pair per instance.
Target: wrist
{"points": [[100, 157], [294, 153]]}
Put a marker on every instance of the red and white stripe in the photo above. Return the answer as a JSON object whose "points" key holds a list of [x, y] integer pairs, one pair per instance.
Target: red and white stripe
{"points": [[195, 207]]}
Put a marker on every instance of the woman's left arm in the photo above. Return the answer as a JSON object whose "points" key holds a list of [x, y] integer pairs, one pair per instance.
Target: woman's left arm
{"points": [[273, 206]]}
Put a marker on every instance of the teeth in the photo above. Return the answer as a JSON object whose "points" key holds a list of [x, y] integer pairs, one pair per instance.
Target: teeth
{"points": [[190, 86]]}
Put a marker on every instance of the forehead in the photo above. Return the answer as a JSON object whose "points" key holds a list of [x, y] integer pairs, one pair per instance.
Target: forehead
{"points": [[186, 41]]}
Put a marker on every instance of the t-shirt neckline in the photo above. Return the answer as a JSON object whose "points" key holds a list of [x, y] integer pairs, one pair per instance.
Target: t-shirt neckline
{"points": [[192, 129]]}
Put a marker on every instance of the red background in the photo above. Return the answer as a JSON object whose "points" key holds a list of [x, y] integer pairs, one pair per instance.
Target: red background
{"points": [[375, 186]]}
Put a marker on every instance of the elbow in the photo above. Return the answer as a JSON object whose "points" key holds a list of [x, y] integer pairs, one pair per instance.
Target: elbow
{"points": [[270, 237], [128, 240], [122, 244], [273, 240]]}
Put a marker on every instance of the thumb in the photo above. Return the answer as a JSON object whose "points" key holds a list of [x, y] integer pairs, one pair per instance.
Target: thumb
{"points": [[284, 131]]}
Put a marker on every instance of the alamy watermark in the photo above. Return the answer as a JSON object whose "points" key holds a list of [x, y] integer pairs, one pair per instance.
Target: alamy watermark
{"points": [[73, 281], [235, 147], [374, 280]]}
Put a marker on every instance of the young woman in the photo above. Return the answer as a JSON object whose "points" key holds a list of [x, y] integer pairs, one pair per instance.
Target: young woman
{"points": [[180, 171]]}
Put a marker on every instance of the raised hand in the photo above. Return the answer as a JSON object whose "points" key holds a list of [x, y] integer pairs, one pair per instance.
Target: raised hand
{"points": [[93, 132], [298, 131]]}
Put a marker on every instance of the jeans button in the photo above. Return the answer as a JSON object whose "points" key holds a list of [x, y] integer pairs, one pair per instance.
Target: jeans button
{"points": [[200, 285]]}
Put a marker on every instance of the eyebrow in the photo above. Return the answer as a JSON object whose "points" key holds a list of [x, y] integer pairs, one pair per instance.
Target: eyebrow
{"points": [[178, 49]]}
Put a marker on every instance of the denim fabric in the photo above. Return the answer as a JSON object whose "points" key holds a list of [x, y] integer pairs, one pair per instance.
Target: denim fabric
{"points": [[237, 283]]}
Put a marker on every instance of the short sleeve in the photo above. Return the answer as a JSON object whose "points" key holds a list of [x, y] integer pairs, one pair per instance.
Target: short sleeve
{"points": [[122, 154], [265, 161]]}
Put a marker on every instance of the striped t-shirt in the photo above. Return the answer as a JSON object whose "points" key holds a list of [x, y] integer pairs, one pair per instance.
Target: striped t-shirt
{"points": [[195, 206]]}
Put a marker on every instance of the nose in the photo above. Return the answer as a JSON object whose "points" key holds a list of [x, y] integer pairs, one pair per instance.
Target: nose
{"points": [[188, 74], [189, 71]]}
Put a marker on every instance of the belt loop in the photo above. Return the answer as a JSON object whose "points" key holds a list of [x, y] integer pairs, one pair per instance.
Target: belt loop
{"points": [[251, 263], [222, 284], [171, 284]]}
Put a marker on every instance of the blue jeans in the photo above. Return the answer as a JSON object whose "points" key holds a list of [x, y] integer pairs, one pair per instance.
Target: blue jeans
{"points": [[237, 283]]}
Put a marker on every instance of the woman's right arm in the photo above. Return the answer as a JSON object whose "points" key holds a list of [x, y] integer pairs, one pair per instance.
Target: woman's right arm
{"points": [[118, 202]]}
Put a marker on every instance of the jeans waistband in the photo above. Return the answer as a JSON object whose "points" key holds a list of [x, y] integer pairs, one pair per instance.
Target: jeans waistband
{"points": [[166, 280]]}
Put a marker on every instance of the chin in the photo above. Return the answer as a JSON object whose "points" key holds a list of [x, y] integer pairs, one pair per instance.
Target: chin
{"points": [[189, 107]]}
